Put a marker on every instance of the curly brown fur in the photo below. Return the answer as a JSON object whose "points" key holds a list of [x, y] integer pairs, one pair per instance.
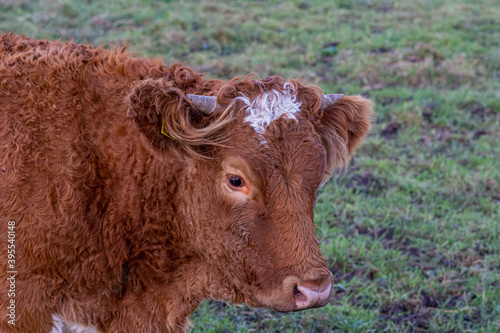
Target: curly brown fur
{"points": [[124, 229]]}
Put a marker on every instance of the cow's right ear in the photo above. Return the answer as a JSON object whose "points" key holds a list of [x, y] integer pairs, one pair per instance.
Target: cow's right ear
{"points": [[168, 120], [154, 102]]}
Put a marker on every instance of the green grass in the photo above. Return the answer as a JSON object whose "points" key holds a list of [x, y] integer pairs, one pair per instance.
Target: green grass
{"points": [[412, 231]]}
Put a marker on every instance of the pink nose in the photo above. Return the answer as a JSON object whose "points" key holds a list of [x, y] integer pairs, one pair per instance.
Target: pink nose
{"points": [[313, 295]]}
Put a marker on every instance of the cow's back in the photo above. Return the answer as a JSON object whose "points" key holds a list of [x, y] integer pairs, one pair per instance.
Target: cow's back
{"points": [[63, 133], [51, 114]]}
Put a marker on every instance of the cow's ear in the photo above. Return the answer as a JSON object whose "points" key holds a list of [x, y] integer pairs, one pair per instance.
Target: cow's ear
{"points": [[161, 113], [168, 120], [148, 104], [342, 125]]}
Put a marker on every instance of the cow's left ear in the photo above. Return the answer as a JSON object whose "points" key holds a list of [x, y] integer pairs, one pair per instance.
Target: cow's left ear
{"points": [[342, 125]]}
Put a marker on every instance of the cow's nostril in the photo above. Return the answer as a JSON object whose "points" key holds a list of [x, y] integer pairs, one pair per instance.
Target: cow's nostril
{"points": [[312, 294], [299, 298]]}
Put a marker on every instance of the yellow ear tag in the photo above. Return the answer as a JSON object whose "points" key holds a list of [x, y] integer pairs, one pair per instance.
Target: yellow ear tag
{"points": [[164, 131]]}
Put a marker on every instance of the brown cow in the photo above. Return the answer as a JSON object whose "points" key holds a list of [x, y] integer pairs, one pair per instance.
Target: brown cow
{"points": [[131, 190]]}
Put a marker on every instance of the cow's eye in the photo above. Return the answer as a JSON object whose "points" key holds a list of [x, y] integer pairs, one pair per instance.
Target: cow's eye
{"points": [[235, 181]]}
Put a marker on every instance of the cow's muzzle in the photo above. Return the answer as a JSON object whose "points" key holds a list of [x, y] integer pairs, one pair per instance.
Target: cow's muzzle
{"points": [[298, 294], [295, 293]]}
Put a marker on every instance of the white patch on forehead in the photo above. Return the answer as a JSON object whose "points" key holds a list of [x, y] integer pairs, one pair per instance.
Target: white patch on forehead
{"points": [[268, 107]]}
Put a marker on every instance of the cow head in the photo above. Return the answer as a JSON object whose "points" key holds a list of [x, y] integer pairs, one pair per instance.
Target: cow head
{"points": [[255, 153]]}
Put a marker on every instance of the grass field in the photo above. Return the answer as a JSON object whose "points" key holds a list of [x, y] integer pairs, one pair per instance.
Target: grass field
{"points": [[412, 231]]}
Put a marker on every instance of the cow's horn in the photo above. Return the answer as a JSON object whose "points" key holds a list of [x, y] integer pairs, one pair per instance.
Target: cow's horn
{"points": [[206, 104], [328, 100]]}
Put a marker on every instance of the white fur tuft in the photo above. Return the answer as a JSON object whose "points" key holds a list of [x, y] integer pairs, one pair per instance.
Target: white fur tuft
{"points": [[60, 326], [268, 107]]}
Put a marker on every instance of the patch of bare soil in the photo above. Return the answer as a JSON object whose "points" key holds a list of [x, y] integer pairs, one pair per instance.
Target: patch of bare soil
{"points": [[428, 111], [477, 110], [385, 7], [416, 313], [384, 233], [381, 50], [391, 130], [407, 314], [367, 183]]}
